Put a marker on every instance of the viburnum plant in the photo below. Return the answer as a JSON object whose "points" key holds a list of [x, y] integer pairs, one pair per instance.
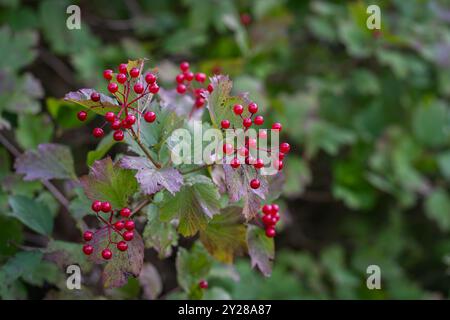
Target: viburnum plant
{"points": [[144, 200]]}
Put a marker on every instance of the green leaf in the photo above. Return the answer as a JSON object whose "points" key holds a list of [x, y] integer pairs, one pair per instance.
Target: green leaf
{"points": [[80, 205], [192, 266], [102, 148], [107, 181], [65, 113], [159, 235], [33, 214], [63, 253], [10, 235], [225, 235], [49, 161], [33, 130], [298, 176], [443, 160], [194, 205], [17, 49], [261, 249], [430, 124], [437, 208], [83, 98]]}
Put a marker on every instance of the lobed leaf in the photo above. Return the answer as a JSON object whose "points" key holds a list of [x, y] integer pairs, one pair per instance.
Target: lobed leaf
{"points": [[83, 98], [261, 249], [32, 213]]}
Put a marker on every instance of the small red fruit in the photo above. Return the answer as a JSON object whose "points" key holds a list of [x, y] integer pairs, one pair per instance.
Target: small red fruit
{"points": [[97, 132], [122, 246], [134, 72], [110, 116], [150, 116], [121, 78], [88, 235], [125, 212], [281, 156], [267, 209], [138, 88], [253, 107], [254, 183], [106, 206], [128, 235], [82, 115], [247, 122], [95, 96], [259, 163], [227, 148], [189, 76], [123, 68], [130, 119], [119, 225], [199, 102], [184, 66], [275, 208], [154, 88], [179, 78], [150, 78], [113, 87], [107, 74], [238, 109], [267, 220], [203, 284], [200, 77], [106, 254], [129, 225], [116, 124], [96, 206], [88, 249], [243, 151], [225, 124], [118, 135], [181, 88], [285, 147], [235, 163], [210, 88], [270, 232], [277, 126], [259, 120]]}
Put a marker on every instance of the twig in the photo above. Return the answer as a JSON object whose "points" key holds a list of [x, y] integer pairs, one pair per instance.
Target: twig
{"points": [[144, 149], [50, 187], [57, 65], [141, 205], [197, 169]]}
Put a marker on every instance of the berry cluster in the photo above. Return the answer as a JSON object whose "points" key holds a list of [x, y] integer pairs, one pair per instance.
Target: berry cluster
{"points": [[252, 143], [270, 218], [186, 84], [130, 80], [123, 228]]}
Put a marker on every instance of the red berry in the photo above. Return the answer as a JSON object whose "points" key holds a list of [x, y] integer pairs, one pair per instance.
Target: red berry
{"points": [[123, 68], [181, 88], [275, 208], [235, 163], [154, 88], [128, 235], [252, 143], [227, 148], [267, 220], [225, 124], [277, 126], [116, 124], [262, 134], [267, 209], [134, 72], [259, 120], [106, 206], [95, 96], [150, 116], [203, 284], [249, 160], [82, 115], [150, 78], [129, 225], [122, 246], [88, 235], [138, 88], [113, 87], [259, 163], [118, 135], [121, 78], [107, 74], [106, 254], [285, 147], [210, 88], [130, 119], [281, 156], [199, 102], [247, 122], [96, 206], [179, 78], [119, 225], [243, 151], [254, 183], [184, 66], [189, 76], [125, 212], [97, 132], [253, 107], [278, 164], [200, 77], [238, 109], [110, 116], [270, 232], [88, 249], [246, 19], [125, 124]]}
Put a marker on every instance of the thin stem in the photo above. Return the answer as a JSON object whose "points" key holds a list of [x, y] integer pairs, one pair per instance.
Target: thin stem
{"points": [[50, 187], [141, 205], [144, 149], [197, 169]]}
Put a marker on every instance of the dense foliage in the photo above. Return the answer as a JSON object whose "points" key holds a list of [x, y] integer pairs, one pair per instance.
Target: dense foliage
{"points": [[366, 114]]}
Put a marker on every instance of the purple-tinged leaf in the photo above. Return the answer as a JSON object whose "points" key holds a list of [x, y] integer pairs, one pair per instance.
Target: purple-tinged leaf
{"points": [[83, 98], [151, 179], [237, 182], [49, 161], [107, 181], [261, 249], [150, 281], [182, 105]]}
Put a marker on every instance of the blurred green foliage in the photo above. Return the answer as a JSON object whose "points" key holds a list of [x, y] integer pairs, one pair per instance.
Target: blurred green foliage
{"points": [[367, 114]]}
